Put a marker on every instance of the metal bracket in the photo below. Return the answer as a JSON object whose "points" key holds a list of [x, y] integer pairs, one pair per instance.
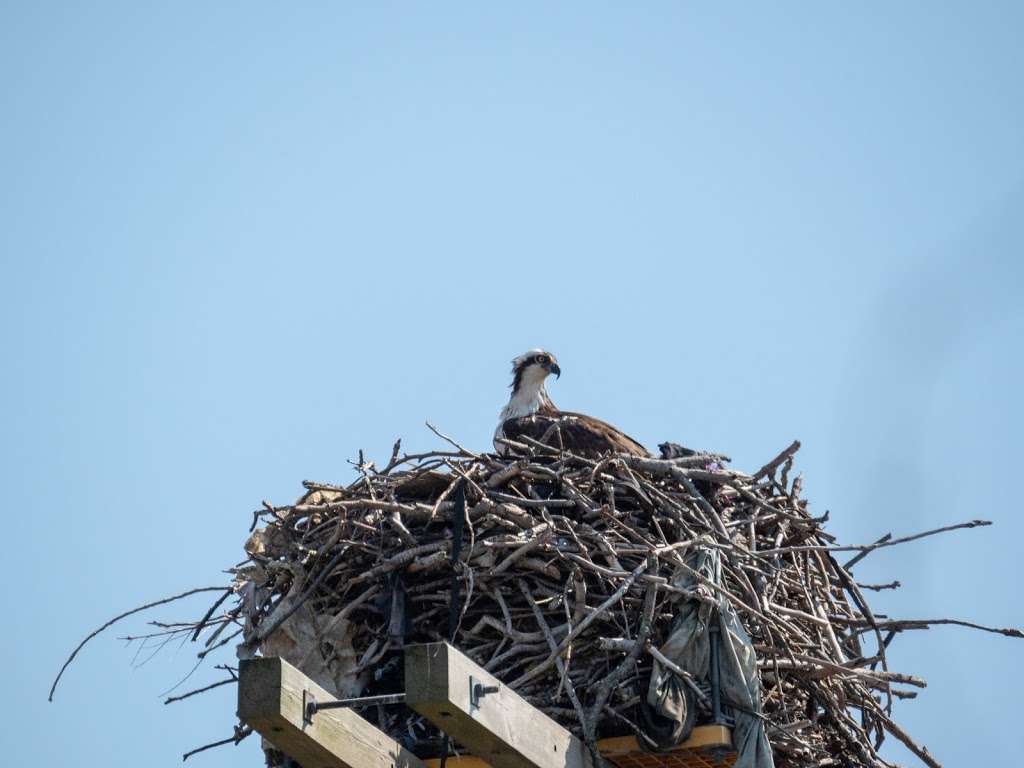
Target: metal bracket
{"points": [[310, 706], [477, 690]]}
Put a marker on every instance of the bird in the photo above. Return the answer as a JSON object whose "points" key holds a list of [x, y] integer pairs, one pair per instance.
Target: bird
{"points": [[531, 412]]}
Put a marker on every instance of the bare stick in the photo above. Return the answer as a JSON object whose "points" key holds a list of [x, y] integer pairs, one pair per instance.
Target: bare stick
{"points": [[904, 624], [465, 451], [771, 466], [116, 619], [209, 613], [877, 545], [240, 734], [173, 699]]}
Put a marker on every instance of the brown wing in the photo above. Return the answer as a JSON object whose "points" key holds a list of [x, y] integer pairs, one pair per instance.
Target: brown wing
{"points": [[575, 432]]}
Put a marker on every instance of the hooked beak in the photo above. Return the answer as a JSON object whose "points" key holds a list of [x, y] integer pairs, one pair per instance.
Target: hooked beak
{"points": [[553, 368]]}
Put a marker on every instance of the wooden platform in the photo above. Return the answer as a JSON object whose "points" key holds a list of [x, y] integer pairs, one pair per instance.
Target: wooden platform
{"points": [[626, 752], [496, 726]]}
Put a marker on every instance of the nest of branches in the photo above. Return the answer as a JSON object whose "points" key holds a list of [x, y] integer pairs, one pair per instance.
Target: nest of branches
{"points": [[562, 582]]}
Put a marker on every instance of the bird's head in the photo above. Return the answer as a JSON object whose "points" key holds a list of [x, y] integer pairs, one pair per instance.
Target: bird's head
{"points": [[532, 368]]}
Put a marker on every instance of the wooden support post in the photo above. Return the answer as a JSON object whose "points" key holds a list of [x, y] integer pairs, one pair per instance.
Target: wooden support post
{"points": [[500, 727], [270, 699]]}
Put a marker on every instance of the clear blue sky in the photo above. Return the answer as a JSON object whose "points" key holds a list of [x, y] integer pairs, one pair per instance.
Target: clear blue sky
{"points": [[240, 241]]}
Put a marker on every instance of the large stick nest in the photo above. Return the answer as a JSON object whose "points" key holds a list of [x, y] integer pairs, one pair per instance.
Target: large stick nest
{"points": [[566, 583], [566, 580]]}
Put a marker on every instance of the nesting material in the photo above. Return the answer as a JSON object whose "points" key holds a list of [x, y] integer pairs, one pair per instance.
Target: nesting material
{"points": [[566, 587]]}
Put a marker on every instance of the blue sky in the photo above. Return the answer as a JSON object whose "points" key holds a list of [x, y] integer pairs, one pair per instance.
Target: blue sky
{"points": [[241, 241]]}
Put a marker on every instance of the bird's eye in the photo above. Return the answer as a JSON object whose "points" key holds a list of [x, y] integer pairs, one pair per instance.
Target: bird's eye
{"points": [[542, 359]]}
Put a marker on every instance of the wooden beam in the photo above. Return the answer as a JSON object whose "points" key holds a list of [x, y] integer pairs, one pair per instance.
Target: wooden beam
{"points": [[501, 727], [270, 699]]}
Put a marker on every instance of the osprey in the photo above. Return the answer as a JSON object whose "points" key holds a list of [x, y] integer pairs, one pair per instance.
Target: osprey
{"points": [[530, 412]]}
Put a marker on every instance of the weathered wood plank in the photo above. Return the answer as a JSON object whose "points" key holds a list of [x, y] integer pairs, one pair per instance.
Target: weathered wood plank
{"points": [[270, 699], [503, 729], [703, 737], [615, 748]]}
